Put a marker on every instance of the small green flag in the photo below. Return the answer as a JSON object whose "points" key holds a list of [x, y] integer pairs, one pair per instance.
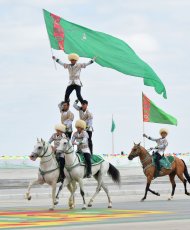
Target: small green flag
{"points": [[110, 51], [112, 126], [151, 113]]}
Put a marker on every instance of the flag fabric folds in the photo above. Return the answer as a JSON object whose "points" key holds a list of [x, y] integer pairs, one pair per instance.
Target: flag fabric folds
{"points": [[113, 126], [110, 51], [151, 113]]}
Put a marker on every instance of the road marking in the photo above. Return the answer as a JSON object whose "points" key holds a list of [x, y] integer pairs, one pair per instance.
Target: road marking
{"points": [[19, 219]]}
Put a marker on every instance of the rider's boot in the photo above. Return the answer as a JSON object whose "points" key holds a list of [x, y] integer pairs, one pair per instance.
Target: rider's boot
{"points": [[62, 165], [88, 165]]}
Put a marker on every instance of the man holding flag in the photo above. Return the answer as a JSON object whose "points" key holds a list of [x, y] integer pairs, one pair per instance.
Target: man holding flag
{"points": [[162, 143]]}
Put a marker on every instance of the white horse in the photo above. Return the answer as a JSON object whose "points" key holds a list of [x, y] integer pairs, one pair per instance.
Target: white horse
{"points": [[48, 171], [74, 171]]}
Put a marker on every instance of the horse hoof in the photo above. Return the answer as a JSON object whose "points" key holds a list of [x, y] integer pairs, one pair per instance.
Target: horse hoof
{"points": [[29, 197], [83, 208], [89, 205], [51, 209], [142, 199], [158, 194], [71, 207], [188, 194], [56, 202], [109, 206]]}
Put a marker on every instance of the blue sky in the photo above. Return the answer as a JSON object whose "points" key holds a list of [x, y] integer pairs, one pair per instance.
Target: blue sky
{"points": [[31, 88]]}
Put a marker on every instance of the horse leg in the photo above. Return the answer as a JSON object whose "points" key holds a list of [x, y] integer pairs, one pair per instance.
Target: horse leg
{"points": [[181, 177], [105, 188], [172, 180], [153, 192], [149, 179], [54, 202], [82, 192], [35, 182], [98, 178], [72, 188]]}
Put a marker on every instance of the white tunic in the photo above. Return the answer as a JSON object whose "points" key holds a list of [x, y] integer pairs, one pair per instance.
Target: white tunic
{"points": [[74, 71], [67, 118], [55, 138], [162, 143], [85, 116], [81, 139]]}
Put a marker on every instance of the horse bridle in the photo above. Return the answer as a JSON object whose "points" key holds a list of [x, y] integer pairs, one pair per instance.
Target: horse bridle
{"points": [[136, 153]]}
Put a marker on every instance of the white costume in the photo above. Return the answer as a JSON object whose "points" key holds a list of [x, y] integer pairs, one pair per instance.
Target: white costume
{"points": [[85, 116], [81, 139], [162, 143]]}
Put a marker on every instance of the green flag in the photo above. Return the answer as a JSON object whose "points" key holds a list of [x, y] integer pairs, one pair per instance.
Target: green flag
{"points": [[151, 113], [111, 52], [112, 126]]}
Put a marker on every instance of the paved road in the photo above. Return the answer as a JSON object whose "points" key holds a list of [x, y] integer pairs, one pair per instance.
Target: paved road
{"points": [[127, 213], [156, 213]]}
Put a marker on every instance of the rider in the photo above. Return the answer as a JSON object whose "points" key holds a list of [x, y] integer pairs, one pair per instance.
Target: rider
{"points": [[74, 69], [162, 143], [86, 116], [67, 117], [56, 137], [80, 138]]}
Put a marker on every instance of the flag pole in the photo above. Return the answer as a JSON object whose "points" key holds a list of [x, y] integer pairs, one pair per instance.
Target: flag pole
{"points": [[50, 47], [143, 122], [112, 139], [112, 143], [52, 56], [143, 136]]}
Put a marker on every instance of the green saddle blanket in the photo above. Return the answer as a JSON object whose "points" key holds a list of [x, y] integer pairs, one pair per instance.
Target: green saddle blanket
{"points": [[95, 159], [165, 162]]}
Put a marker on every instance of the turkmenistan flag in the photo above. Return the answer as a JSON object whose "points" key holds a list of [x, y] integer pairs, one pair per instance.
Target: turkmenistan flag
{"points": [[151, 113], [111, 52], [112, 125]]}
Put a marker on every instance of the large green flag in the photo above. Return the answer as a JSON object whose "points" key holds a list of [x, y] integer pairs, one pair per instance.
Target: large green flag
{"points": [[111, 52], [151, 113]]}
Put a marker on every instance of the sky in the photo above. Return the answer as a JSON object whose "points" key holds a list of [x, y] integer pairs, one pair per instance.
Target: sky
{"points": [[31, 87]]}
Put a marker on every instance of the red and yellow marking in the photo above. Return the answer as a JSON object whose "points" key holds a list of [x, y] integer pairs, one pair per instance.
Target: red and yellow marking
{"points": [[23, 219]]}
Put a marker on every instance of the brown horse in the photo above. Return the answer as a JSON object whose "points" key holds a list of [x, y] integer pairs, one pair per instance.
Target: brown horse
{"points": [[178, 167]]}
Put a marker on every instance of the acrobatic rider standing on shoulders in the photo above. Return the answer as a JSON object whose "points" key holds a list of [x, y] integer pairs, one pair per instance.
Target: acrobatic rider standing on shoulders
{"points": [[74, 69]]}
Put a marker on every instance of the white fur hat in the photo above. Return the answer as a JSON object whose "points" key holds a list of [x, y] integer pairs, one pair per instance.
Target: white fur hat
{"points": [[164, 130], [80, 124], [60, 127], [73, 56]]}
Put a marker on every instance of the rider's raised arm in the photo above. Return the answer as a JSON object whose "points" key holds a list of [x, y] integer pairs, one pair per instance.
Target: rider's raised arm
{"points": [[84, 65], [153, 139], [66, 66], [76, 106]]}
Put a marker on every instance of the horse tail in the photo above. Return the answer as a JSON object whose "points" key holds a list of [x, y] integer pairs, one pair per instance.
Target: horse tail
{"points": [[186, 173], [114, 174]]}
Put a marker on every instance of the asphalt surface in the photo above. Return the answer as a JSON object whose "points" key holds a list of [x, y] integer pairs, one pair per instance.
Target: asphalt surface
{"points": [[127, 213]]}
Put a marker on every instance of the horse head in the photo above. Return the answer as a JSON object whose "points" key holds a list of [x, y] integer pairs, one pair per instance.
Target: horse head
{"points": [[39, 149], [135, 151], [64, 145]]}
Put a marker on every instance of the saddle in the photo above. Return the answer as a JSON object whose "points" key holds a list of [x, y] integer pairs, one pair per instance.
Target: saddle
{"points": [[95, 159], [165, 162]]}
